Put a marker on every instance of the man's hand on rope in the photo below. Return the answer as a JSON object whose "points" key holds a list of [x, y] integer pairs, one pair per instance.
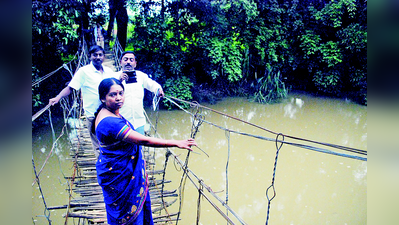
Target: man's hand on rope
{"points": [[53, 101], [160, 93], [65, 92]]}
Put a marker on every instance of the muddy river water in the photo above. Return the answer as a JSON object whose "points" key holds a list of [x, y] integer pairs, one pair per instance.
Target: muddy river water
{"points": [[311, 187]]}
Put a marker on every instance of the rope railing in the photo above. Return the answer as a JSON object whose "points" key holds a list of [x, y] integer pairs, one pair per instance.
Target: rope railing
{"points": [[117, 52], [188, 173], [198, 119], [82, 60], [46, 210], [38, 81], [354, 150], [201, 185], [68, 111]]}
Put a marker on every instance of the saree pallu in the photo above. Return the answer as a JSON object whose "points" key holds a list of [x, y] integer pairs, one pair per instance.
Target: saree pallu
{"points": [[121, 174]]}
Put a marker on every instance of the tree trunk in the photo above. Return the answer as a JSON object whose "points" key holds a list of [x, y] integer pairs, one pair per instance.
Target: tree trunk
{"points": [[117, 9], [112, 13], [84, 21], [121, 20]]}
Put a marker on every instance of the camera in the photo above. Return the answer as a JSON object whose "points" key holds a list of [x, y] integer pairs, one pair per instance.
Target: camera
{"points": [[132, 77]]}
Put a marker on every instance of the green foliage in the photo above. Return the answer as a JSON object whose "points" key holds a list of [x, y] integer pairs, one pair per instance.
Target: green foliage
{"points": [[332, 13], [317, 45], [353, 38], [272, 41], [225, 57], [100, 12], [310, 43], [111, 44], [67, 58], [327, 82], [331, 53], [269, 88], [179, 87], [36, 99], [35, 96], [56, 21]]}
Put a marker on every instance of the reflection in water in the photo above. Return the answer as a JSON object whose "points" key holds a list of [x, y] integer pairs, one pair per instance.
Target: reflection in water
{"points": [[291, 108], [311, 187]]}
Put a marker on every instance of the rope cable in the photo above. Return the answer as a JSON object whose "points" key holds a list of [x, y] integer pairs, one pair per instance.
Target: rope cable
{"points": [[51, 151], [227, 134], [46, 211], [40, 112], [270, 131], [273, 178], [200, 190], [196, 123], [362, 152], [188, 175], [41, 79], [46, 76]]}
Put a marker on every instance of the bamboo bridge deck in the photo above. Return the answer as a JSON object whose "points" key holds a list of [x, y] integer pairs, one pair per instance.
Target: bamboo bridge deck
{"points": [[87, 201]]}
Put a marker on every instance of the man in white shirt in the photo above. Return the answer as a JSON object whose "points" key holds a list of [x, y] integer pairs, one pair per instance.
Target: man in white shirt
{"points": [[87, 78], [135, 81]]}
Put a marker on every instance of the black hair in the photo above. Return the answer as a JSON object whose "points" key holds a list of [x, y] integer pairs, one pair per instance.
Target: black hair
{"points": [[95, 48], [127, 52], [105, 85], [103, 90]]}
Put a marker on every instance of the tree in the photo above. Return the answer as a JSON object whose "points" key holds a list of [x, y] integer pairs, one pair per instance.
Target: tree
{"points": [[57, 28], [118, 11]]}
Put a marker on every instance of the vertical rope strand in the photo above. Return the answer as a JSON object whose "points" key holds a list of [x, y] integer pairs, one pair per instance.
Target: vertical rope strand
{"points": [[197, 121], [199, 201], [227, 133], [46, 211], [273, 178]]}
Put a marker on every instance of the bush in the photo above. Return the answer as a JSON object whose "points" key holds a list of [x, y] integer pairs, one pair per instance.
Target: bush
{"points": [[269, 88], [180, 88]]}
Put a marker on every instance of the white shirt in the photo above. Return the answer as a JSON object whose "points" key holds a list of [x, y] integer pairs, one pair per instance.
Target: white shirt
{"points": [[87, 78], [132, 108]]}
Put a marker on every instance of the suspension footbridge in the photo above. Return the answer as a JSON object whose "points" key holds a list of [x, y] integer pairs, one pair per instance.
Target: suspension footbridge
{"points": [[85, 196]]}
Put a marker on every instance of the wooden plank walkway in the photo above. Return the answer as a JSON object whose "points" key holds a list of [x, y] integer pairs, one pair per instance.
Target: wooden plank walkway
{"points": [[87, 201]]}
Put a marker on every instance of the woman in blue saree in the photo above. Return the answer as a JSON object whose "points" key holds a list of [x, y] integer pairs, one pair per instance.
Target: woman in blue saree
{"points": [[120, 166]]}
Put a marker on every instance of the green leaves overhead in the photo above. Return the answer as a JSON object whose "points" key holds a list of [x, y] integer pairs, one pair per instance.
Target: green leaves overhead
{"points": [[56, 20], [313, 45]]}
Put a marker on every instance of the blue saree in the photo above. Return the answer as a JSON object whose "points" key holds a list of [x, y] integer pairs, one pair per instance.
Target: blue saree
{"points": [[121, 174]]}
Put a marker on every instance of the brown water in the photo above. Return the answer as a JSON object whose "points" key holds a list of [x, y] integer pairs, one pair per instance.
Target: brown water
{"points": [[311, 187]]}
